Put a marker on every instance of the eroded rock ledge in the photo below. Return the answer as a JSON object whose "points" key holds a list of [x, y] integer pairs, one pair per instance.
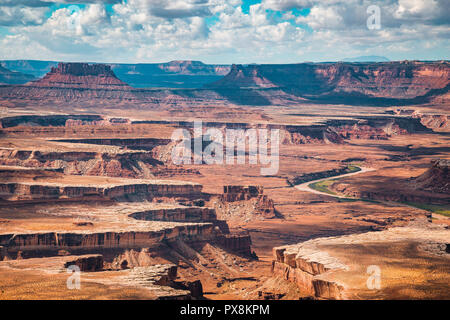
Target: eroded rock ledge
{"points": [[319, 272]]}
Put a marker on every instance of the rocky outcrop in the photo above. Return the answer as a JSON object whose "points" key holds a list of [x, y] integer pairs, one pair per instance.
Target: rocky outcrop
{"points": [[87, 263], [400, 194], [142, 75], [379, 83], [49, 120], [436, 122], [122, 163], [303, 270], [239, 193], [262, 205], [3, 253], [194, 287], [239, 243], [193, 214], [315, 265], [320, 175], [96, 242], [435, 179], [16, 191], [161, 280], [105, 122], [81, 76], [134, 144], [386, 83]]}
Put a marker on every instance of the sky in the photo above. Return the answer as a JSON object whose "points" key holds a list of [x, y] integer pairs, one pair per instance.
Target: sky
{"points": [[223, 31]]}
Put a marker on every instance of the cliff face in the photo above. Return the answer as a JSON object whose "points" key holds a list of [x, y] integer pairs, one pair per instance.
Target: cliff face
{"points": [[386, 83], [15, 191], [240, 201], [81, 76], [304, 271], [336, 81], [52, 242], [194, 214], [125, 164], [436, 122], [194, 67], [436, 179], [87, 263]]}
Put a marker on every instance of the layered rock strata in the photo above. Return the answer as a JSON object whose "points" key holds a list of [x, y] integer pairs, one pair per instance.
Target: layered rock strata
{"points": [[87, 263], [262, 204], [319, 272], [15, 191], [436, 178]]}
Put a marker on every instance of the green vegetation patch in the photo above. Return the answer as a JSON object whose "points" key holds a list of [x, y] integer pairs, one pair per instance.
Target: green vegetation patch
{"points": [[434, 208], [322, 186], [353, 168]]}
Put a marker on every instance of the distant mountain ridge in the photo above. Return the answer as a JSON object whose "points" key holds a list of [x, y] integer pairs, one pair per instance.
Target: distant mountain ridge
{"points": [[13, 77], [339, 81], [173, 74], [366, 59], [81, 76], [382, 84]]}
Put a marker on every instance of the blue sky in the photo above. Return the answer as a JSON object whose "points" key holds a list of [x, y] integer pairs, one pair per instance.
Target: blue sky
{"points": [[222, 31]]}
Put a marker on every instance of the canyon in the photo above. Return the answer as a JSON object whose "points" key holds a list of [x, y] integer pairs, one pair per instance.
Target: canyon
{"points": [[87, 181]]}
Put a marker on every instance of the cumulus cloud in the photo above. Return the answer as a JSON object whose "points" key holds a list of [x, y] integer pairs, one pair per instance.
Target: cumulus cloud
{"points": [[220, 30], [21, 15]]}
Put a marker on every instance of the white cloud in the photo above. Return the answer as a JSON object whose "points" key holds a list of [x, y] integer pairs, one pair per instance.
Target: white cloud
{"points": [[219, 31], [21, 15]]}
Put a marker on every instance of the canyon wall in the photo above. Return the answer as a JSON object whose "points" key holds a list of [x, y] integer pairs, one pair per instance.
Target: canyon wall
{"points": [[349, 83], [239, 243], [87, 263], [193, 214], [132, 164], [15, 191], [304, 273], [259, 203], [51, 243], [386, 83], [436, 178]]}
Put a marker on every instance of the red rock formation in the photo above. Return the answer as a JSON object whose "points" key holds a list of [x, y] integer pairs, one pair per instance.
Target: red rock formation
{"points": [[394, 195], [303, 273], [436, 122], [87, 263], [387, 83], [239, 193], [263, 205], [34, 243], [436, 179], [34, 191], [104, 122], [189, 214], [335, 81], [239, 243], [194, 287], [82, 76]]}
